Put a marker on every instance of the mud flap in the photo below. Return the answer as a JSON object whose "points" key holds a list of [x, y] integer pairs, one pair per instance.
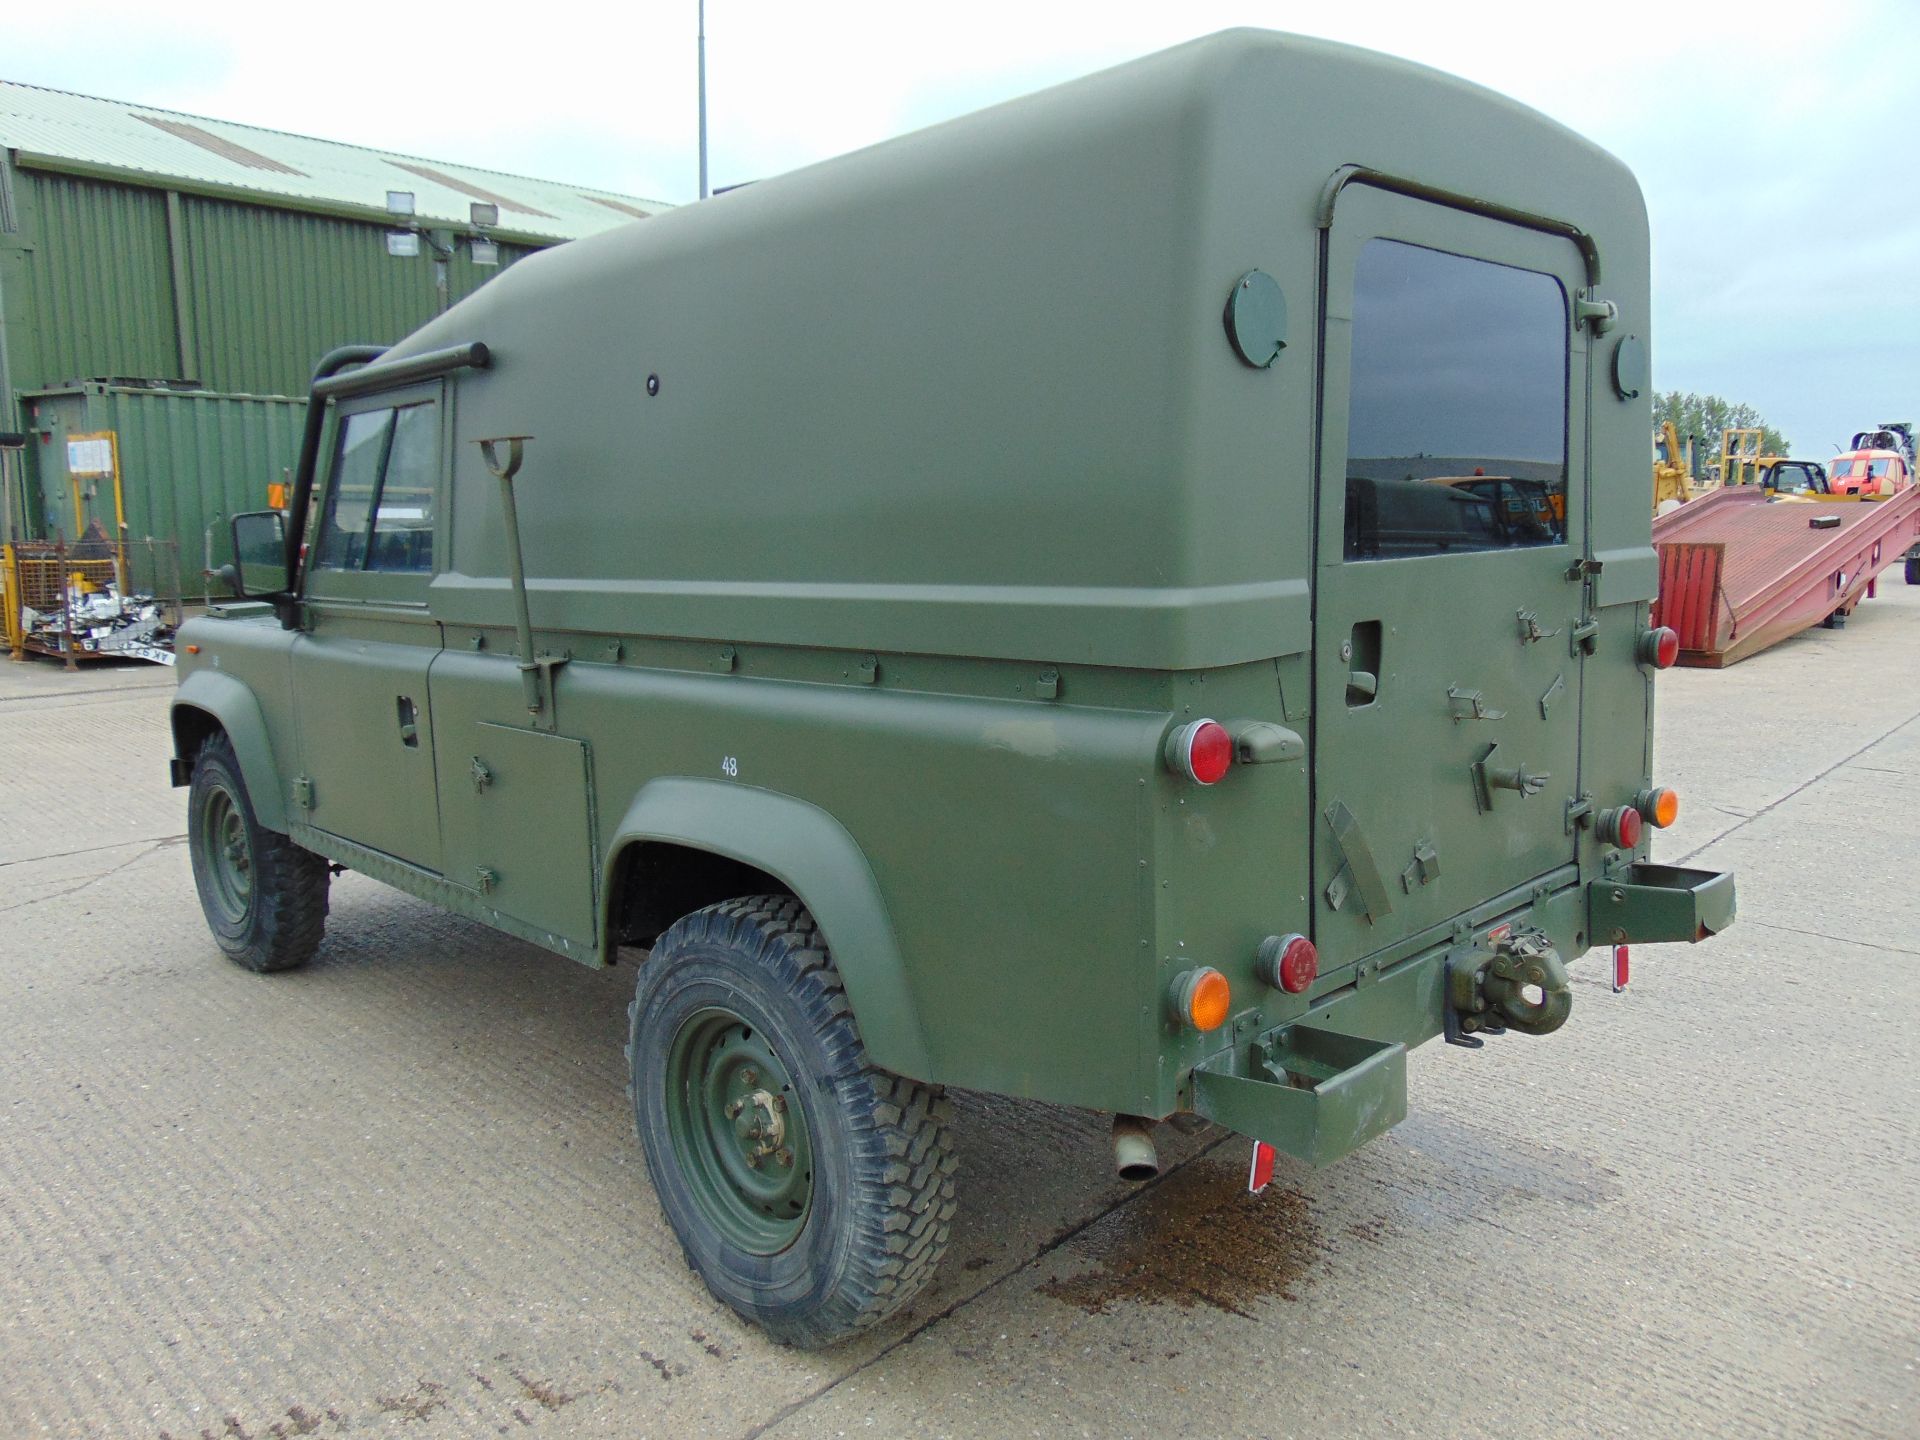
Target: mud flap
{"points": [[1315, 1094]]}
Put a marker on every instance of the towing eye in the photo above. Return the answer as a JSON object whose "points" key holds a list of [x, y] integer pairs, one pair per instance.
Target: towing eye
{"points": [[1489, 991]]}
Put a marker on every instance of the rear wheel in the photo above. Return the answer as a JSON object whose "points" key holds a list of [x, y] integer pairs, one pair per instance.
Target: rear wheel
{"points": [[812, 1191], [264, 897], [1913, 569]]}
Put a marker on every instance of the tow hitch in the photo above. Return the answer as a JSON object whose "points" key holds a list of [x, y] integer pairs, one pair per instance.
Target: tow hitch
{"points": [[1520, 984]]}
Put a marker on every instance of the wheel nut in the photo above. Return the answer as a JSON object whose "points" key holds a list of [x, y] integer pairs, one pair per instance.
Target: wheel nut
{"points": [[780, 1104], [784, 1156], [753, 1161], [750, 1075], [735, 1108]]}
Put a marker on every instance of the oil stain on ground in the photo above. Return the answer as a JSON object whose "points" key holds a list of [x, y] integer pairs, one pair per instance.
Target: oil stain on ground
{"points": [[1196, 1239]]}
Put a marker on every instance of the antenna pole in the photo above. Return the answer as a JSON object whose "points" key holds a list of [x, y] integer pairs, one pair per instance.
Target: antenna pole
{"points": [[703, 99]]}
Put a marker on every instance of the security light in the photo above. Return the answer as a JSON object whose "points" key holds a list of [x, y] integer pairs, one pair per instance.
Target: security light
{"points": [[402, 243], [483, 252], [399, 202], [483, 214]]}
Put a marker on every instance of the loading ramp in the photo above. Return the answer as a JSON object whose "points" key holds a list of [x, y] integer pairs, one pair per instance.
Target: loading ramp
{"points": [[1741, 570]]}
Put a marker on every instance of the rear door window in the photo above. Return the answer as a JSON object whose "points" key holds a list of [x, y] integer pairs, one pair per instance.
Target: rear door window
{"points": [[1457, 426]]}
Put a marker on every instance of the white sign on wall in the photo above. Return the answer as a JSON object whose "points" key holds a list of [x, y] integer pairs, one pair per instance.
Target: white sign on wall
{"points": [[90, 455]]}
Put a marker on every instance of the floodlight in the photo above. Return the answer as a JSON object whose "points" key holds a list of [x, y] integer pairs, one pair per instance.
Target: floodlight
{"points": [[483, 252], [399, 202], [402, 243], [483, 214]]}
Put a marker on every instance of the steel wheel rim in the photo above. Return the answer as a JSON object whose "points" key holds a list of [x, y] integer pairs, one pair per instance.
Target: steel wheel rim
{"points": [[725, 1082], [225, 855]]}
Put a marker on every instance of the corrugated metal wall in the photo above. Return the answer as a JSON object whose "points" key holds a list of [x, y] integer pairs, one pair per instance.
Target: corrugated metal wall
{"points": [[100, 292], [268, 291], [273, 291], [188, 461]]}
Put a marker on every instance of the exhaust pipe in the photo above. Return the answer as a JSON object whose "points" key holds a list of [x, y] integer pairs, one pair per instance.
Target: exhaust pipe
{"points": [[1134, 1157]]}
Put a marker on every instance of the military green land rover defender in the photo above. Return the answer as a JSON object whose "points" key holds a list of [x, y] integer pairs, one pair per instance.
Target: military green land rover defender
{"points": [[1136, 598]]}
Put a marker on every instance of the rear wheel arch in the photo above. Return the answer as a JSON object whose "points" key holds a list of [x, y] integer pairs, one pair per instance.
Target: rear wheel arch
{"points": [[718, 834]]}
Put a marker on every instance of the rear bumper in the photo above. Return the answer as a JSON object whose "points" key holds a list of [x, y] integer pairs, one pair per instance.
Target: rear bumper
{"points": [[1649, 904], [1321, 1086]]}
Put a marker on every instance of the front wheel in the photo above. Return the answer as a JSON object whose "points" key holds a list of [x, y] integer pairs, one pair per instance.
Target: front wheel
{"points": [[811, 1191], [264, 897]]}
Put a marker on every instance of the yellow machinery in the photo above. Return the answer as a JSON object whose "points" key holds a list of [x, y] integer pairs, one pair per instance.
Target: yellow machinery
{"points": [[1671, 468], [1741, 462]]}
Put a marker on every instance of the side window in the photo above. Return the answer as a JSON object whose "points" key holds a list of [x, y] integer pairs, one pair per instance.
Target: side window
{"points": [[379, 512], [403, 523], [357, 463]]}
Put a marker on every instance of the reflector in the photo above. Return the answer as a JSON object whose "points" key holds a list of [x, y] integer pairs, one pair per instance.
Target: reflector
{"points": [[1620, 966], [1260, 1172]]}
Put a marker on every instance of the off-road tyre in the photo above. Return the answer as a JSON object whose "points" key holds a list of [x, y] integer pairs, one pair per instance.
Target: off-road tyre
{"points": [[265, 898], [753, 977], [1913, 569]]}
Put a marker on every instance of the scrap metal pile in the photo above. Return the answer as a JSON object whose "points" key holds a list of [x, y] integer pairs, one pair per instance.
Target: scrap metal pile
{"points": [[99, 622]]}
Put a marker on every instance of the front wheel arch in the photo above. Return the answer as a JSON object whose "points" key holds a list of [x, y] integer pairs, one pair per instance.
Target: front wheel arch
{"points": [[209, 703]]}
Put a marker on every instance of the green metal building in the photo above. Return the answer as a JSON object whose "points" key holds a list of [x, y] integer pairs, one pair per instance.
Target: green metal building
{"points": [[171, 279]]}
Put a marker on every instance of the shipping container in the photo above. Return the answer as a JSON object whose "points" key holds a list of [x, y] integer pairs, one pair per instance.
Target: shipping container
{"points": [[188, 460]]}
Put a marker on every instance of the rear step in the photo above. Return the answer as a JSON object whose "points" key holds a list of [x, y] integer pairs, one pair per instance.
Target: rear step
{"points": [[1316, 1094]]}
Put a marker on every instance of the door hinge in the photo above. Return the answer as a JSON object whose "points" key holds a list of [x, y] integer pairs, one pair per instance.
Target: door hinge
{"points": [[1578, 808], [481, 774], [303, 792], [1590, 310], [486, 878], [1580, 641]]}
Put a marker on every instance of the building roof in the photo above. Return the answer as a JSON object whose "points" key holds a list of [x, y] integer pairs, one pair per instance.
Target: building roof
{"points": [[142, 144]]}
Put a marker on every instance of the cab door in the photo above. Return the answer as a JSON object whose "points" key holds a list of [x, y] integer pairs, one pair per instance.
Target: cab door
{"points": [[365, 721], [1451, 517]]}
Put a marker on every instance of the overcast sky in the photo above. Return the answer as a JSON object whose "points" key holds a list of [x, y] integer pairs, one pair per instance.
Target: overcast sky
{"points": [[1779, 146]]}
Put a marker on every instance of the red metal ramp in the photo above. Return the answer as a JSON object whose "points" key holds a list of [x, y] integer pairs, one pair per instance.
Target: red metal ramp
{"points": [[1740, 571]]}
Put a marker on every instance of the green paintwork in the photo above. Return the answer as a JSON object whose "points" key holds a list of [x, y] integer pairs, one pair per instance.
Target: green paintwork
{"points": [[1649, 904], [226, 857], [1314, 1093], [881, 549], [742, 1140]]}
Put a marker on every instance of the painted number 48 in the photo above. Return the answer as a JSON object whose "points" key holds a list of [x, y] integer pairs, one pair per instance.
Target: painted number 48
{"points": [[729, 766]]}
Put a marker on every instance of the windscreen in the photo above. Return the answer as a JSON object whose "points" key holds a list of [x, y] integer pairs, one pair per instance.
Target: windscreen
{"points": [[1456, 436]]}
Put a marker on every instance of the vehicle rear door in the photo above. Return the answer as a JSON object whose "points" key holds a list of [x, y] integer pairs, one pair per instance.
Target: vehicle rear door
{"points": [[1452, 517], [360, 666]]}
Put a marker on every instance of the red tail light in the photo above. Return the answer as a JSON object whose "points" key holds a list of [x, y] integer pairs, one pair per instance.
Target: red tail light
{"points": [[1620, 827], [1660, 647], [1288, 962], [1620, 967], [1201, 751]]}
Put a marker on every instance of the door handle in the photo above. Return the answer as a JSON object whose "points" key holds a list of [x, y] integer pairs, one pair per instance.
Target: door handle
{"points": [[409, 721], [1362, 686]]}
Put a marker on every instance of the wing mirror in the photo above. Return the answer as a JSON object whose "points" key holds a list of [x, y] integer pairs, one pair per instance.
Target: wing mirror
{"points": [[259, 568]]}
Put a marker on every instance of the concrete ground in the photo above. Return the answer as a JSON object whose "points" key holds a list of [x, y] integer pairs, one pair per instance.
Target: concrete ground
{"points": [[398, 1192]]}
